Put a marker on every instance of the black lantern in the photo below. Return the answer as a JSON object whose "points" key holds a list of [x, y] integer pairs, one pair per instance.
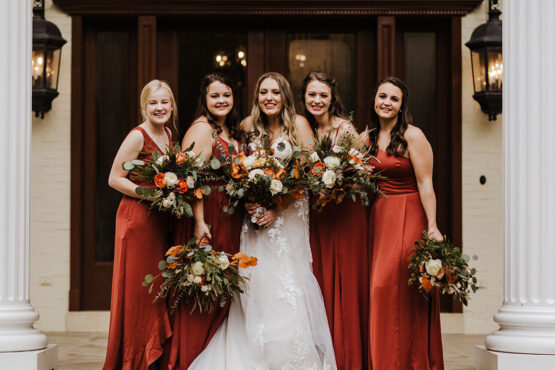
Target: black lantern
{"points": [[487, 63], [47, 51]]}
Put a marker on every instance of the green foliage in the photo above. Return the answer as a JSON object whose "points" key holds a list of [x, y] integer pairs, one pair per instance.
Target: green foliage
{"points": [[443, 266]]}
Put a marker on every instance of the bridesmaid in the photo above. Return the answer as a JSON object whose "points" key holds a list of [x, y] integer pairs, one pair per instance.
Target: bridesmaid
{"points": [[138, 327], [213, 130], [405, 330], [338, 236]]}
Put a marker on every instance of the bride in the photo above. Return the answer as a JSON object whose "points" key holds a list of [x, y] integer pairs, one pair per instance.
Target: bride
{"points": [[280, 323]]}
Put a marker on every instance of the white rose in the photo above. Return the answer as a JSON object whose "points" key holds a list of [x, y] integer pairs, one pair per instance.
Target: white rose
{"points": [[190, 154], [433, 267], [197, 269], [190, 278], [204, 288], [331, 162], [286, 151], [329, 178], [199, 162], [249, 161], [276, 186], [314, 157], [336, 149], [163, 158], [197, 280], [253, 173], [167, 203], [171, 179], [223, 261], [190, 182]]}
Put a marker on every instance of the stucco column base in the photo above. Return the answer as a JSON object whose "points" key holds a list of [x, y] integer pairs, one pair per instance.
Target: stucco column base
{"points": [[44, 359], [524, 329], [492, 360]]}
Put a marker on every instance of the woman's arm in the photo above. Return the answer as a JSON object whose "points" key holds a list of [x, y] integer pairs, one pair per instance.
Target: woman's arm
{"points": [[422, 159], [305, 136], [201, 135], [128, 151]]}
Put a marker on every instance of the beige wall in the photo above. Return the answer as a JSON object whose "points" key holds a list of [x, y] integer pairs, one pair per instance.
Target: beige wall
{"points": [[482, 204], [50, 196], [50, 203]]}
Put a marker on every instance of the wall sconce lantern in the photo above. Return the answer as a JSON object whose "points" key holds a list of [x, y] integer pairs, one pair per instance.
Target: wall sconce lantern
{"points": [[47, 51], [487, 63]]}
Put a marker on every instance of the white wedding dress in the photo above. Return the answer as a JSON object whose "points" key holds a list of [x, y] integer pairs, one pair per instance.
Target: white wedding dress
{"points": [[280, 322]]}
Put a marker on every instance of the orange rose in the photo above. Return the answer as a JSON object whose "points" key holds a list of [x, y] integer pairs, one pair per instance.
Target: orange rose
{"points": [[318, 168], [237, 170], [160, 180], [180, 158], [440, 273], [244, 260], [280, 174], [355, 159], [426, 284], [268, 172], [199, 193], [173, 251], [204, 241], [182, 184], [172, 266]]}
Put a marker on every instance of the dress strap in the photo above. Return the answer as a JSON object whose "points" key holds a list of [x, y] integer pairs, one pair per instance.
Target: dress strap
{"points": [[146, 138]]}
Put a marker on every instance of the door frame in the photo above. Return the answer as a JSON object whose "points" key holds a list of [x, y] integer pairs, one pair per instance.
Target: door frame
{"points": [[147, 11]]}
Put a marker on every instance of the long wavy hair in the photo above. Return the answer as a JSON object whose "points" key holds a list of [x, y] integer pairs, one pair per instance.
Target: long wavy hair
{"points": [[286, 115], [232, 118], [145, 95], [398, 145], [336, 107]]}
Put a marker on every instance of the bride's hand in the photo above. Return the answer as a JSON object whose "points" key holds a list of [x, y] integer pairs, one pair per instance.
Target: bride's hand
{"points": [[251, 207], [267, 218], [201, 231]]}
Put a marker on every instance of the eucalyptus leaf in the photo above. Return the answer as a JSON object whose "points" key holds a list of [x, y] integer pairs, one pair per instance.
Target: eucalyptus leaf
{"points": [[188, 210], [207, 189], [127, 166], [240, 193], [475, 257], [231, 210], [226, 209], [144, 284], [138, 162], [150, 289], [149, 278], [162, 265]]}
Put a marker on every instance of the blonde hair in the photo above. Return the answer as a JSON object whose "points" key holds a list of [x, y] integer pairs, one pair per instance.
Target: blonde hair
{"points": [[145, 95], [286, 115]]}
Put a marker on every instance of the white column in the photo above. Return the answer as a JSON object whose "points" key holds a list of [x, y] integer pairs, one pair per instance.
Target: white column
{"points": [[17, 316], [527, 317]]}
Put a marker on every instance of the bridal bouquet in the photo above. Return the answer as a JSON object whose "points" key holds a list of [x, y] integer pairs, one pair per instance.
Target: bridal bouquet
{"points": [[333, 172], [175, 179], [267, 176], [440, 265], [199, 275]]}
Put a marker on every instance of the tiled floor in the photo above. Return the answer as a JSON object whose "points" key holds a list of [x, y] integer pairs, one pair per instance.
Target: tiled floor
{"points": [[79, 351]]}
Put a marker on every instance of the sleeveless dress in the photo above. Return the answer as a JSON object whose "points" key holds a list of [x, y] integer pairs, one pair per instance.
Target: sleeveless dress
{"points": [[339, 243], [138, 327], [192, 332], [405, 329], [280, 322]]}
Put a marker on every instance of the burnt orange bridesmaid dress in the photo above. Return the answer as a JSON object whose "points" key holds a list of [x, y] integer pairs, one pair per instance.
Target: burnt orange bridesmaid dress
{"points": [[405, 330], [339, 244], [192, 332], [138, 327]]}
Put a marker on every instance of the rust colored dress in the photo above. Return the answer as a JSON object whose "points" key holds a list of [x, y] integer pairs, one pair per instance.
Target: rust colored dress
{"points": [[138, 327], [192, 332], [339, 244], [405, 330]]}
